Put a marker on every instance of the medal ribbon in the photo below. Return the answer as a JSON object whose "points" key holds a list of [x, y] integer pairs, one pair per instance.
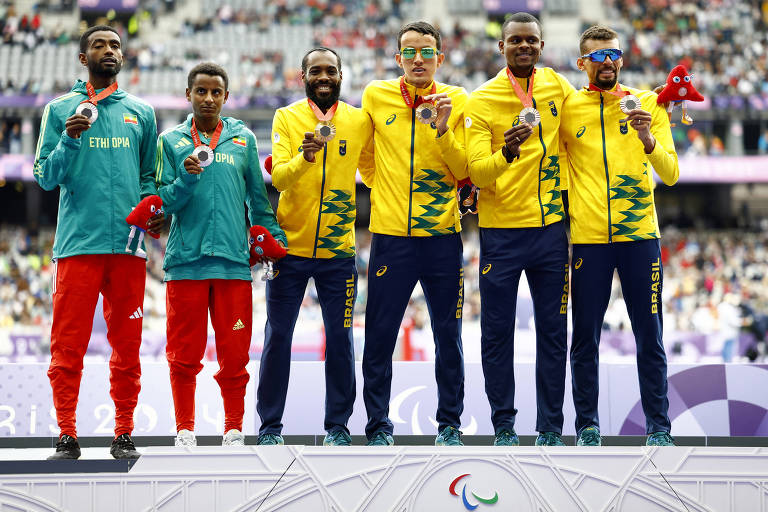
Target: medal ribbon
{"points": [[407, 96], [214, 138], [526, 99], [619, 92], [319, 113], [96, 98]]}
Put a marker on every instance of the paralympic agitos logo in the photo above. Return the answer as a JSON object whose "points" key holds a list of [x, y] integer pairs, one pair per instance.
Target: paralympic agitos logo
{"points": [[467, 504]]}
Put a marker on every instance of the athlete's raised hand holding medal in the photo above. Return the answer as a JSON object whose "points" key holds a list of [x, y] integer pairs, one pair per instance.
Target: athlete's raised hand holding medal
{"points": [[202, 155], [443, 107]]}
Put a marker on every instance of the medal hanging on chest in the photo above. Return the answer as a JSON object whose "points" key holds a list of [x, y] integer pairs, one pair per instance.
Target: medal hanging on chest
{"points": [[529, 114], [426, 112], [88, 107], [205, 153], [627, 102], [325, 130]]}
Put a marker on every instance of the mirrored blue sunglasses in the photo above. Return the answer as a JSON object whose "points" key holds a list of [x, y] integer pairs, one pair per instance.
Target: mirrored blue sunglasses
{"points": [[600, 55]]}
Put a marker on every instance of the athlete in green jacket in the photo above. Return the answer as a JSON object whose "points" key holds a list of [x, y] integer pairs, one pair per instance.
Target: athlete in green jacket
{"points": [[102, 163], [207, 174]]}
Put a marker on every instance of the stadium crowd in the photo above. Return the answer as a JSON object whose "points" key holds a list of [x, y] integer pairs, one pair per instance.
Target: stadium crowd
{"points": [[722, 42], [715, 298]]}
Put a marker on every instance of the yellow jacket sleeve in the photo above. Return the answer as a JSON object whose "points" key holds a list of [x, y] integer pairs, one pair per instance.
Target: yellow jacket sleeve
{"points": [[663, 158], [451, 143], [484, 164], [366, 163], [286, 170]]}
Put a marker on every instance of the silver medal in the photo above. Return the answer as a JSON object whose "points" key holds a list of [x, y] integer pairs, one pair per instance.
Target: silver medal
{"points": [[629, 103], [529, 115], [88, 110], [204, 154]]}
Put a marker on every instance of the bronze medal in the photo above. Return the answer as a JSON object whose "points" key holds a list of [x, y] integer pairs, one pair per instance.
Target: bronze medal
{"points": [[325, 131]]}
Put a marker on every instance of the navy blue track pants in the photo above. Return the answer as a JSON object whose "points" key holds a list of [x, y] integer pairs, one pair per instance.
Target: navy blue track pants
{"points": [[641, 275], [336, 284], [543, 254], [396, 265]]}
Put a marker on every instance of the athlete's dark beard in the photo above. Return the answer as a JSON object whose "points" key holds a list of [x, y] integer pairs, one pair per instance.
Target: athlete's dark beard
{"points": [[323, 103], [607, 84], [98, 70]]}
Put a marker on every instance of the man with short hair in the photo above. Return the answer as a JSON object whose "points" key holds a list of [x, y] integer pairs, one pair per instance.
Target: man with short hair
{"points": [[512, 149], [613, 135], [97, 144], [316, 144], [418, 159], [207, 174]]}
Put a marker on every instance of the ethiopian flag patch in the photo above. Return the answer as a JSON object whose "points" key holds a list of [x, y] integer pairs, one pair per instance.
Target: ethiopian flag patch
{"points": [[239, 141], [130, 119]]}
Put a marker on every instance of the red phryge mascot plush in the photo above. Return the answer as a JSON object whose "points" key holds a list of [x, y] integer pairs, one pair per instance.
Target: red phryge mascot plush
{"points": [[139, 218], [263, 245], [268, 164], [679, 89]]}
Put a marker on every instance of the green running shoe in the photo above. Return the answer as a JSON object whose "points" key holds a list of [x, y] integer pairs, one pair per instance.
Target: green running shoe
{"points": [[590, 436], [506, 438], [337, 438], [660, 439], [270, 440], [381, 438], [549, 439], [449, 436]]}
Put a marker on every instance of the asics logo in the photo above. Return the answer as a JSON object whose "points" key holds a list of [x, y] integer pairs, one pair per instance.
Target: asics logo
{"points": [[382, 270], [581, 131], [578, 263], [391, 119], [487, 268]]}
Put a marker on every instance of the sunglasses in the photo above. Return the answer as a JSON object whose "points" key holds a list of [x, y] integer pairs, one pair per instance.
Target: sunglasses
{"points": [[600, 55], [426, 53]]}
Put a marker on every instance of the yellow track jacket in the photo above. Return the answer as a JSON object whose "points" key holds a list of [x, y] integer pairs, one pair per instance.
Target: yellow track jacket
{"points": [[317, 199], [413, 183], [526, 192], [611, 183]]}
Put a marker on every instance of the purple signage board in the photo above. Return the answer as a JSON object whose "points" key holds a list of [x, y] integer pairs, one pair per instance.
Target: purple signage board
{"points": [[106, 5], [704, 400]]}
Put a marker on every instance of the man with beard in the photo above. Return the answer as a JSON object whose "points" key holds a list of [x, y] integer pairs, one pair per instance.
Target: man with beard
{"points": [[419, 158], [207, 174], [316, 144], [512, 149], [97, 144], [614, 226]]}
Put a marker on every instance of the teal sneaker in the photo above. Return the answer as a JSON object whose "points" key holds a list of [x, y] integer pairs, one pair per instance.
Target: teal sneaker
{"points": [[449, 436], [660, 439], [337, 438], [381, 438], [549, 439], [270, 439], [506, 438], [590, 436]]}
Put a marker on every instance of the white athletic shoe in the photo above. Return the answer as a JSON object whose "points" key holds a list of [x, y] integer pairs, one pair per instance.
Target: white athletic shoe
{"points": [[185, 438], [233, 437]]}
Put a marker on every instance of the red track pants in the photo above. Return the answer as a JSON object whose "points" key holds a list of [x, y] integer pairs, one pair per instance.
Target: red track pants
{"points": [[230, 304], [78, 280]]}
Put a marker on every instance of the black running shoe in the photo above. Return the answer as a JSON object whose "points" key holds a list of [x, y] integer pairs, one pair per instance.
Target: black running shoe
{"points": [[123, 448], [66, 448]]}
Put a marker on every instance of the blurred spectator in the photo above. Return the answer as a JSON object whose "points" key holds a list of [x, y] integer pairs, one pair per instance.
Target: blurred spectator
{"points": [[715, 297]]}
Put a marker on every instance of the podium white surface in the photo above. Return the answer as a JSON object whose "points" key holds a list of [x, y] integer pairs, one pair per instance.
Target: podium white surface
{"points": [[400, 478]]}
